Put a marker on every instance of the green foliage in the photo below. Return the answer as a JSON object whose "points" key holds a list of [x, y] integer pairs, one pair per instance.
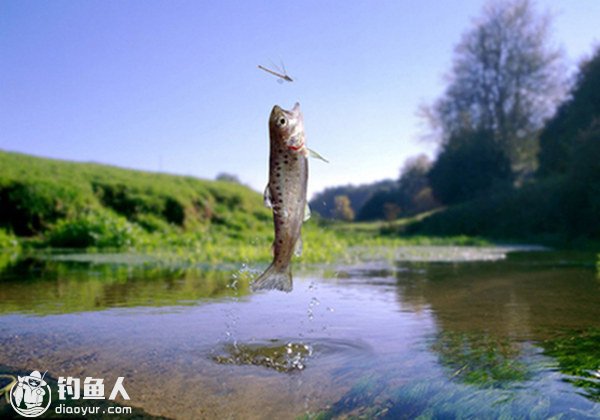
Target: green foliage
{"points": [[533, 212], [470, 164], [10, 249], [324, 202], [343, 208], [559, 137], [582, 202], [36, 194], [410, 195], [506, 79], [103, 230], [8, 241], [481, 360], [578, 356]]}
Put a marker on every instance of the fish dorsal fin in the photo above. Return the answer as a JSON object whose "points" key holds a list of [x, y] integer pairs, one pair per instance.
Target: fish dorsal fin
{"points": [[316, 155]]}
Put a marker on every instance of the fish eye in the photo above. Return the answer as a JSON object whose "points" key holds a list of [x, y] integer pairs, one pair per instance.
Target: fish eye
{"points": [[281, 121]]}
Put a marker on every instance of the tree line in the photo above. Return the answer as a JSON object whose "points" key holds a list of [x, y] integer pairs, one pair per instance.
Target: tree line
{"points": [[508, 120]]}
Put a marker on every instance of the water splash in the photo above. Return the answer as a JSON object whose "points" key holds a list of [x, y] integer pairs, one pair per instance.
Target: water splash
{"points": [[276, 354]]}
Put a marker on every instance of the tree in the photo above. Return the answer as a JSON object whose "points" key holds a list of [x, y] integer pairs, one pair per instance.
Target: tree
{"points": [[582, 203], [558, 139], [411, 194], [505, 80], [374, 208], [343, 209], [227, 177], [468, 166], [323, 203]]}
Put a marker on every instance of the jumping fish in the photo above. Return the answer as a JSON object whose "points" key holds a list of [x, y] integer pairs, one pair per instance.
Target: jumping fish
{"points": [[286, 194]]}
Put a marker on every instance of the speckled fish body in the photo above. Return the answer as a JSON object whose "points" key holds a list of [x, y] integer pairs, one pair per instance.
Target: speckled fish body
{"points": [[285, 194]]}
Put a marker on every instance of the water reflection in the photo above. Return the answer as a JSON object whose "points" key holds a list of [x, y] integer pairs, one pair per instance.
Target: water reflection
{"points": [[42, 286], [515, 337]]}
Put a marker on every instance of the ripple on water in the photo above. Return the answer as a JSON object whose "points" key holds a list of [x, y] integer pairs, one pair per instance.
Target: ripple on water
{"points": [[286, 355]]}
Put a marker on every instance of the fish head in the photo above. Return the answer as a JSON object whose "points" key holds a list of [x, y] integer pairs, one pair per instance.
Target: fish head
{"points": [[287, 128]]}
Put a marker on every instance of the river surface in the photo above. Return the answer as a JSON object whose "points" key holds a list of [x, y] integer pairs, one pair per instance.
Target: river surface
{"points": [[432, 332]]}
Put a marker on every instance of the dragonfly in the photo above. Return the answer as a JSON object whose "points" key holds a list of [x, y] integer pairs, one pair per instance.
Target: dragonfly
{"points": [[281, 74]]}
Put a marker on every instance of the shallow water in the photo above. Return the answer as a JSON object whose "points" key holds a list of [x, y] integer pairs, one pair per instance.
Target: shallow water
{"points": [[439, 332]]}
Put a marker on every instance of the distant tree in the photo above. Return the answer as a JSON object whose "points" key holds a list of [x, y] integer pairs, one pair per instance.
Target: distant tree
{"points": [[343, 209], [413, 176], [374, 208], [391, 211], [582, 203], [424, 200], [323, 203], [506, 80], [226, 177], [559, 137], [468, 166], [411, 194]]}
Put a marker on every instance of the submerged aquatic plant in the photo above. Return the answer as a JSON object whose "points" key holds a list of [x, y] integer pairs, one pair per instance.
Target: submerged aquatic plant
{"points": [[578, 357], [479, 359], [276, 354]]}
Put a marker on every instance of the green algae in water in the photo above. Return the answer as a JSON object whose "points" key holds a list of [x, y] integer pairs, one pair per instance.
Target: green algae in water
{"points": [[278, 355], [482, 360], [578, 357]]}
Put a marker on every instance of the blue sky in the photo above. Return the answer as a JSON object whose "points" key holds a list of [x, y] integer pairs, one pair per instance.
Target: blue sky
{"points": [[174, 85]]}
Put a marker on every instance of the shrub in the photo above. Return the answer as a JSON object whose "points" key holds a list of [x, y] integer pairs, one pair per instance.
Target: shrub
{"points": [[102, 230], [8, 241]]}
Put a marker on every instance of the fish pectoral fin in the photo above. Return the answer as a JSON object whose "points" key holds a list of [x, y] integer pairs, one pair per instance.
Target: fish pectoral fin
{"points": [[316, 155], [267, 197], [298, 247], [306, 213]]}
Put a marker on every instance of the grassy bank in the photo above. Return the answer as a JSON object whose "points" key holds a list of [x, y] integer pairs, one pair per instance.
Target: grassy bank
{"points": [[544, 212], [46, 203]]}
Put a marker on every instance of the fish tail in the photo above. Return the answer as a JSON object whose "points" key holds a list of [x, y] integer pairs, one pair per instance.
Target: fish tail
{"points": [[274, 278]]}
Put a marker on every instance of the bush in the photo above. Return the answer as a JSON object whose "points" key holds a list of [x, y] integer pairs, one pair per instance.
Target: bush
{"points": [[102, 230], [583, 198], [8, 241], [30, 208], [469, 166]]}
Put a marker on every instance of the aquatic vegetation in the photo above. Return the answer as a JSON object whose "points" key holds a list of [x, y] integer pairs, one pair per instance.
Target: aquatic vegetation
{"points": [[276, 354], [479, 359], [578, 357]]}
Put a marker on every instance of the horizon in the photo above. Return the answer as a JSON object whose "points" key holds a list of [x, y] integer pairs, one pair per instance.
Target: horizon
{"points": [[175, 93]]}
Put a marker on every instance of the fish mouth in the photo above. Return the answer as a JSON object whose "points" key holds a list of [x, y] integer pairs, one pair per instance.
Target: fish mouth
{"points": [[296, 143]]}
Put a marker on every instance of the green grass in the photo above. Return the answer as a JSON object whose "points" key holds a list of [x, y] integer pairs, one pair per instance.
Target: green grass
{"points": [[37, 193], [57, 204], [542, 212]]}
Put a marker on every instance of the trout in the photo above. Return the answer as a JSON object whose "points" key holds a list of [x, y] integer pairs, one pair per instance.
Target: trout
{"points": [[285, 194]]}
